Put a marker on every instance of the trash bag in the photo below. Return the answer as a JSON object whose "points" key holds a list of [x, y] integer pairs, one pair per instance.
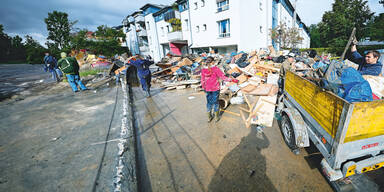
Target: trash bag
{"points": [[331, 80], [242, 65], [234, 74], [279, 59], [312, 53], [356, 88], [242, 59]]}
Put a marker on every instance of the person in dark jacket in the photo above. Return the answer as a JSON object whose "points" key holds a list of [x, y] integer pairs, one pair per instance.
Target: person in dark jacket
{"points": [[368, 65], [142, 66], [70, 67], [50, 63]]}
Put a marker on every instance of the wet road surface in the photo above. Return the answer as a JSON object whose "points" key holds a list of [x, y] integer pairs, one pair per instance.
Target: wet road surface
{"points": [[180, 151], [54, 141], [18, 77]]}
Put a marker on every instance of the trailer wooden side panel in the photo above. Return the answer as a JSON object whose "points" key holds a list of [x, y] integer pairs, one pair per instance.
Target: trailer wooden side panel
{"points": [[367, 121], [323, 106]]}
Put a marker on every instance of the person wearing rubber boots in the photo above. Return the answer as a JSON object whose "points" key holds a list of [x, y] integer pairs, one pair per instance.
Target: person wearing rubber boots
{"points": [[210, 76], [70, 67], [142, 66]]}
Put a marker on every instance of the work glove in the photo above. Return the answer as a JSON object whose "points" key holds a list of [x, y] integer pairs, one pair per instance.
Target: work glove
{"points": [[354, 41], [235, 80]]}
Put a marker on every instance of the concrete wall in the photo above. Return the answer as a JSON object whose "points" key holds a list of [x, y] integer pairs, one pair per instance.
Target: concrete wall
{"points": [[209, 16], [152, 34]]}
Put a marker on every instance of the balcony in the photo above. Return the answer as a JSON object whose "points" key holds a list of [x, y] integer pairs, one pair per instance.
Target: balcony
{"points": [[144, 48], [175, 36], [142, 33], [139, 18]]}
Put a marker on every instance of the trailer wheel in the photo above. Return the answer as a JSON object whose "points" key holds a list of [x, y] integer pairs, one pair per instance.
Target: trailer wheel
{"points": [[288, 132]]}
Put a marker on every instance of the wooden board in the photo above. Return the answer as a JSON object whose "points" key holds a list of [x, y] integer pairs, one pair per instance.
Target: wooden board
{"points": [[242, 78], [266, 111], [262, 90], [248, 88]]}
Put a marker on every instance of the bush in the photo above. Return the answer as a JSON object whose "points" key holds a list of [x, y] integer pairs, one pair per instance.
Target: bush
{"points": [[338, 51]]}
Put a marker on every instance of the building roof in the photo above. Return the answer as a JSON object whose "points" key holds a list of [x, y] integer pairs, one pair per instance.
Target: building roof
{"points": [[163, 10], [152, 5], [181, 1]]}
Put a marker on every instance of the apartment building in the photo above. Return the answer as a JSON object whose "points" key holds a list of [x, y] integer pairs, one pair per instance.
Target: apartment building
{"points": [[195, 26]]}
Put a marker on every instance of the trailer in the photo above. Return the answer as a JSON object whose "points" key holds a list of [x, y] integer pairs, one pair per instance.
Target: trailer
{"points": [[350, 136]]}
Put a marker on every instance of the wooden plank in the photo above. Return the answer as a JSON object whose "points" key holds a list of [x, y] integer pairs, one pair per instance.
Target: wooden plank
{"points": [[261, 90], [266, 111], [230, 112]]}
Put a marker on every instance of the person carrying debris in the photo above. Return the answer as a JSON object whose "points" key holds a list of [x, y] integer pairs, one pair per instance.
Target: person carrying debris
{"points": [[70, 67], [51, 66], [287, 65], [210, 76], [370, 65], [142, 66]]}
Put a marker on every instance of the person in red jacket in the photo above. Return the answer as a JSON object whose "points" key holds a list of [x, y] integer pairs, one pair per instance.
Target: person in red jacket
{"points": [[210, 76]]}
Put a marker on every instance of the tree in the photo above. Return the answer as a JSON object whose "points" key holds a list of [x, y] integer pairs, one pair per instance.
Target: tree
{"points": [[5, 45], [315, 36], [337, 24], [286, 37], [59, 28], [17, 49], [375, 28], [34, 51], [106, 41]]}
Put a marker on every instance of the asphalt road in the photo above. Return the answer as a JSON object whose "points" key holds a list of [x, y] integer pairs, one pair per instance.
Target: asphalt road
{"points": [[54, 141]]}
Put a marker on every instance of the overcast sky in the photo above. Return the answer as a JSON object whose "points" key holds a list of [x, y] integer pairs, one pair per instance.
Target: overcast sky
{"points": [[26, 17]]}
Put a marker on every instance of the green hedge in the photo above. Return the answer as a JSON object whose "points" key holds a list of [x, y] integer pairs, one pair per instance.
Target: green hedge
{"points": [[338, 51]]}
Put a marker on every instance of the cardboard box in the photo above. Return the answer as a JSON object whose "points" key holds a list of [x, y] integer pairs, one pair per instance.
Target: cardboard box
{"points": [[185, 61]]}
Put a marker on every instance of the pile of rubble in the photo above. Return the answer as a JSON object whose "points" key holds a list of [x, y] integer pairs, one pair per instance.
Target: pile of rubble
{"points": [[258, 75]]}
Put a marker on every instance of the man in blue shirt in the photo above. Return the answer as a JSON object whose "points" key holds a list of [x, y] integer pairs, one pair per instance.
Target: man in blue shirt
{"points": [[368, 65], [142, 66]]}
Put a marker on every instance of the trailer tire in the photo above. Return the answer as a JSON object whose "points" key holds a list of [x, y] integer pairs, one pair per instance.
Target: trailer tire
{"points": [[286, 129]]}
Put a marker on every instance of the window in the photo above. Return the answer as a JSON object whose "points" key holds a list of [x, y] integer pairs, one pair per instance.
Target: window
{"points": [[168, 28], [261, 6], [186, 24], [222, 5], [224, 28], [261, 29], [204, 27], [150, 40], [202, 3], [148, 28], [196, 5], [197, 29]]}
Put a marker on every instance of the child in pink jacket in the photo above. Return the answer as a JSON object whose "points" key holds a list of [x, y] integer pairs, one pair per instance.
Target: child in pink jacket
{"points": [[210, 76]]}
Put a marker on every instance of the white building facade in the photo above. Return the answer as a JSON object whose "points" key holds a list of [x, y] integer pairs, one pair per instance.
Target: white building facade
{"points": [[220, 25]]}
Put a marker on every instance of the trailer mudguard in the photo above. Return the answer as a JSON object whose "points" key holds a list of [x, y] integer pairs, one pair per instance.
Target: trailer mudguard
{"points": [[299, 127]]}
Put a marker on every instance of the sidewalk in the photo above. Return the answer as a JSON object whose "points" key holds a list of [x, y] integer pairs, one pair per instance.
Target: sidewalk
{"points": [[180, 151]]}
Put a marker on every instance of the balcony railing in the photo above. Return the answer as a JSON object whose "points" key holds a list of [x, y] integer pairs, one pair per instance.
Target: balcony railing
{"points": [[142, 33], [139, 18], [224, 35], [174, 36], [223, 8]]}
